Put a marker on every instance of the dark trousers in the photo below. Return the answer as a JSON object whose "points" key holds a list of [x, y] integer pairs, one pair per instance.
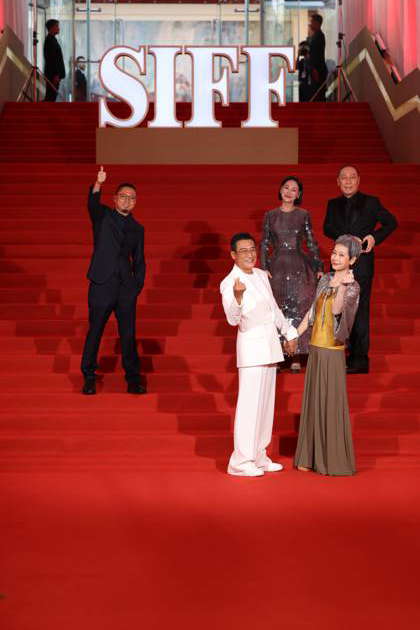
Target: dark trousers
{"points": [[321, 95], [306, 92], [50, 93], [359, 337], [121, 298]]}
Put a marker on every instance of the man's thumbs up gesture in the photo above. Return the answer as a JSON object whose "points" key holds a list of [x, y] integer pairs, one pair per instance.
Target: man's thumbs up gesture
{"points": [[101, 176], [238, 290]]}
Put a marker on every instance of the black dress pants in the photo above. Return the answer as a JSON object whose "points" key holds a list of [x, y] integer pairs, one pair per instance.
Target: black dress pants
{"points": [[321, 96], [359, 337], [50, 93], [121, 298]]}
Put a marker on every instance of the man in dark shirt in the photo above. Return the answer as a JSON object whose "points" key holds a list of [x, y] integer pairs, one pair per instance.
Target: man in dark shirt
{"points": [[306, 89], [317, 57], [116, 273], [54, 68], [359, 214], [80, 85]]}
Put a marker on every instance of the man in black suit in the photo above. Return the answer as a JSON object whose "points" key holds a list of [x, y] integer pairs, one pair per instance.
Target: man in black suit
{"points": [[80, 83], [306, 88], [54, 68], [317, 57], [116, 273], [358, 214]]}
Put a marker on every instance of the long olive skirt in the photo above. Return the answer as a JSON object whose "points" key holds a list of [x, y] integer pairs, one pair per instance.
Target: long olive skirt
{"points": [[325, 442]]}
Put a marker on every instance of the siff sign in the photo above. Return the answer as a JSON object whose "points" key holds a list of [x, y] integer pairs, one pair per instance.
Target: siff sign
{"points": [[205, 85]]}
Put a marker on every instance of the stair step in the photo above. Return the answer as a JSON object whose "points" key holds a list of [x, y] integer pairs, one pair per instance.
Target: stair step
{"points": [[186, 347]]}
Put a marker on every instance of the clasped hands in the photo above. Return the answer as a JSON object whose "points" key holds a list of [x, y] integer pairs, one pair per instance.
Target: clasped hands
{"points": [[290, 347]]}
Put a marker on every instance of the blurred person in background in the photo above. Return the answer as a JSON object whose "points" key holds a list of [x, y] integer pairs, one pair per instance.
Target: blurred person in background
{"points": [[54, 69]]}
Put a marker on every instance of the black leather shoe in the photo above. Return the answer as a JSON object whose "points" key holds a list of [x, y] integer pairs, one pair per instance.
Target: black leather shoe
{"points": [[135, 388], [89, 388], [357, 370]]}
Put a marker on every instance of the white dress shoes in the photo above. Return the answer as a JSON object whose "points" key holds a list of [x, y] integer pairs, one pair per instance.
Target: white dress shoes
{"points": [[248, 471], [271, 467]]}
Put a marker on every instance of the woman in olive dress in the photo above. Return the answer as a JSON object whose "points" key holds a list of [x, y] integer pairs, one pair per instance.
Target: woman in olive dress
{"points": [[292, 272], [325, 442]]}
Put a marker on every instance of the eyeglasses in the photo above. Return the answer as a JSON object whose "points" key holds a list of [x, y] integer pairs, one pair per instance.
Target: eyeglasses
{"points": [[250, 250], [130, 198]]}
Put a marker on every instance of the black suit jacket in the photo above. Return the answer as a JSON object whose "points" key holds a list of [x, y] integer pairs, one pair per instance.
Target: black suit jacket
{"points": [[115, 250], [317, 54], [53, 56], [80, 85], [367, 212]]}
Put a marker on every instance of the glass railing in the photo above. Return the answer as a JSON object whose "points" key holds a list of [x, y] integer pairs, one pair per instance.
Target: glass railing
{"points": [[88, 28]]}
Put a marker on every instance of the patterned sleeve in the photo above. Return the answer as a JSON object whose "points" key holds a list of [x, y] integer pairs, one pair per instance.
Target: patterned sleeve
{"points": [[344, 324], [265, 243], [322, 286], [312, 244]]}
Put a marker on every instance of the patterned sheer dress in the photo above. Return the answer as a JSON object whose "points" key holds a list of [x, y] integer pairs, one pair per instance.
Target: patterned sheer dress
{"points": [[293, 270]]}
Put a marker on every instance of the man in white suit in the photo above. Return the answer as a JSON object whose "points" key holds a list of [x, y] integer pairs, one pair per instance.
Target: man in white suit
{"points": [[249, 303]]}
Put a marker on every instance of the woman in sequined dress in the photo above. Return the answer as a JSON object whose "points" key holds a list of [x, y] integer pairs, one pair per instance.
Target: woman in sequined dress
{"points": [[293, 273]]}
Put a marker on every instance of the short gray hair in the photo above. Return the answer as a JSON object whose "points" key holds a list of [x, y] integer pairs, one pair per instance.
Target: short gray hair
{"points": [[352, 243]]}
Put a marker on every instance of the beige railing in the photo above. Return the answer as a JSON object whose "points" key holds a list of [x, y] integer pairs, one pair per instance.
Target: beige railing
{"points": [[15, 69], [396, 106]]}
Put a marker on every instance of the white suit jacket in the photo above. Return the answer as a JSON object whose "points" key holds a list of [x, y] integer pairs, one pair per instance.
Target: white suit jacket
{"points": [[258, 319]]}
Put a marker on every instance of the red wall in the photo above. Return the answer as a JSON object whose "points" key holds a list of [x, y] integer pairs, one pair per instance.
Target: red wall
{"points": [[396, 20], [2, 22]]}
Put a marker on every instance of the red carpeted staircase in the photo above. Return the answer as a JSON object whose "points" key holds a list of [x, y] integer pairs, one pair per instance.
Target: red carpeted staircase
{"points": [[107, 528], [187, 349], [66, 132]]}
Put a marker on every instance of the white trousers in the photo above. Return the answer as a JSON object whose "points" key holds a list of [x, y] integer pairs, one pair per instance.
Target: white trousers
{"points": [[254, 417]]}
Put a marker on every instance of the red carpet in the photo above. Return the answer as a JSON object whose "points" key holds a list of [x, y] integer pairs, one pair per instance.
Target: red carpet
{"points": [[118, 512]]}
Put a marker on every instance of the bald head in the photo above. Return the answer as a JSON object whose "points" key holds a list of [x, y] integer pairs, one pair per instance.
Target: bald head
{"points": [[348, 180]]}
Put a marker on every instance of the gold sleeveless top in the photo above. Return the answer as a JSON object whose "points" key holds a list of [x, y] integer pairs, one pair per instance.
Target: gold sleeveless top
{"points": [[323, 328]]}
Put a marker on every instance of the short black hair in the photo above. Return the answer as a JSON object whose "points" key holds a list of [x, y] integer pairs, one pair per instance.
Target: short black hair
{"points": [[317, 18], [348, 166], [240, 236], [303, 48], [50, 23], [293, 178], [125, 185], [80, 57]]}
